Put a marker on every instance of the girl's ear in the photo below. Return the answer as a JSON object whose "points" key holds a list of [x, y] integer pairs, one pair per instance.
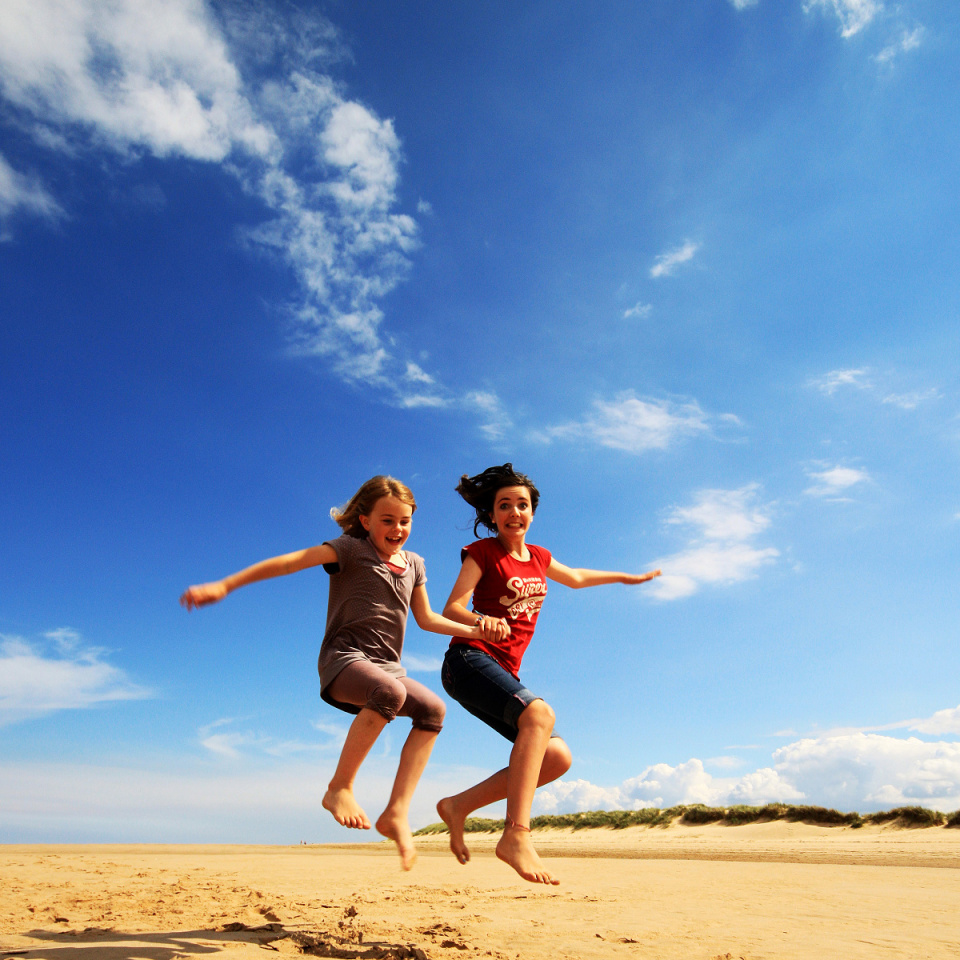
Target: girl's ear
{"points": [[365, 522]]}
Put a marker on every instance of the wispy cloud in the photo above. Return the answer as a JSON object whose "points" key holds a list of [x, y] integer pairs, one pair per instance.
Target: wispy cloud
{"points": [[832, 483], [831, 382], [638, 311], [417, 664], [20, 193], [850, 771], [222, 739], [873, 385], [634, 424], [492, 410], [263, 799], [666, 264], [724, 525], [244, 90], [60, 672], [853, 15], [909, 40], [912, 400], [743, 4]]}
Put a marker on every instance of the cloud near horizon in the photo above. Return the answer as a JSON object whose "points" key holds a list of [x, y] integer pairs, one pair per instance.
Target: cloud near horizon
{"points": [[850, 771], [274, 798]]}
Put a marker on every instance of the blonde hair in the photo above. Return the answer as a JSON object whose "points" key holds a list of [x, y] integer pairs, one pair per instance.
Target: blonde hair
{"points": [[363, 501]]}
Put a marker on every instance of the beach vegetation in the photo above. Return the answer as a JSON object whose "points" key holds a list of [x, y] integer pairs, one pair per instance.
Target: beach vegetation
{"points": [[699, 813]]}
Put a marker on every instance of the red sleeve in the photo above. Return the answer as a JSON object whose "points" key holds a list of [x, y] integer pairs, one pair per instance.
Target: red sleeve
{"points": [[477, 551], [542, 554]]}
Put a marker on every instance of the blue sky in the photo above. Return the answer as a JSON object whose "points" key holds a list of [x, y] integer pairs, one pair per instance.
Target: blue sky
{"points": [[690, 266]]}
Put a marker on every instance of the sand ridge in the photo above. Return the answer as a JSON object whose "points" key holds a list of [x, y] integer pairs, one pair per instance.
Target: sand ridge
{"points": [[690, 893]]}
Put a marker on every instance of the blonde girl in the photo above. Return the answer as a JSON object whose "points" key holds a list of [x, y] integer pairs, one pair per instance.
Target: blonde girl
{"points": [[374, 582], [507, 579]]}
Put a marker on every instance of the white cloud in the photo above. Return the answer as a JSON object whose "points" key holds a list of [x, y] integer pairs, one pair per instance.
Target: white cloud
{"points": [[830, 382], [233, 744], [638, 311], [488, 404], [723, 525], [849, 771], [20, 193], [635, 425], [743, 4], [854, 15], [667, 263], [832, 482], [132, 74], [137, 77], [662, 785], [34, 682], [910, 401], [942, 722], [724, 514], [862, 379], [417, 375], [909, 40], [262, 799], [417, 664]]}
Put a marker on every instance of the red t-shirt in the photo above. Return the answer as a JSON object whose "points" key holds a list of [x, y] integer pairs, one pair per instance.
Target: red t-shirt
{"points": [[512, 589]]}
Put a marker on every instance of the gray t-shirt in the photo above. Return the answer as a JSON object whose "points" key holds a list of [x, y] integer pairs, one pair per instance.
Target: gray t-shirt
{"points": [[367, 609]]}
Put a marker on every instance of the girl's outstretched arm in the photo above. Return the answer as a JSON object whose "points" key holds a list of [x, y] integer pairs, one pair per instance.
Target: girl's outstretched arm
{"points": [[493, 628], [205, 593], [435, 623], [577, 577]]}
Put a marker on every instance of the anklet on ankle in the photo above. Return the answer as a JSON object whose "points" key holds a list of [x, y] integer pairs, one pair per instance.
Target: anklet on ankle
{"points": [[510, 822]]}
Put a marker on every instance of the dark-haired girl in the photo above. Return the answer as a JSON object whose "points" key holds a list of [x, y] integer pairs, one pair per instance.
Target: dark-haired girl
{"points": [[507, 578]]}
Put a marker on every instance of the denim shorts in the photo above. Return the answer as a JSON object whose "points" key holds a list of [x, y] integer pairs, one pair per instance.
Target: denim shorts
{"points": [[481, 686]]}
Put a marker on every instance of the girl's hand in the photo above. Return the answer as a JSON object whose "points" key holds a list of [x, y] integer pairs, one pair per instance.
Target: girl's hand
{"points": [[204, 593], [494, 629], [644, 577]]}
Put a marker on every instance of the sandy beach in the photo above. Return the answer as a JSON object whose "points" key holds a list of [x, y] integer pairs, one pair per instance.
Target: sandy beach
{"points": [[768, 891]]}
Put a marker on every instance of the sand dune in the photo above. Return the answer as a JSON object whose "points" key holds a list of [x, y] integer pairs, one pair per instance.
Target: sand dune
{"points": [[768, 891]]}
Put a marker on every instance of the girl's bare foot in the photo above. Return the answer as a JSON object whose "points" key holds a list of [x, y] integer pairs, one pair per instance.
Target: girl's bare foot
{"points": [[397, 829], [454, 821], [345, 809], [516, 849]]}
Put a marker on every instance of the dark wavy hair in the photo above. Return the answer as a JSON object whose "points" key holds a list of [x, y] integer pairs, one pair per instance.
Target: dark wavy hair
{"points": [[481, 491]]}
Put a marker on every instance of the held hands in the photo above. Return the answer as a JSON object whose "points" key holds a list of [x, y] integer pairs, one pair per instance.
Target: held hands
{"points": [[493, 629], [203, 594]]}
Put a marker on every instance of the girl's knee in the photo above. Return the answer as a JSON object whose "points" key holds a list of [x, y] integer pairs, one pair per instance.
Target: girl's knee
{"points": [[558, 758], [387, 698], [430, 716], [539, 713]]}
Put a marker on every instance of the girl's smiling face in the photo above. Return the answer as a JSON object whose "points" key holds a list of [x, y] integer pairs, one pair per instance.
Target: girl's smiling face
{"points": [[512, 512], [388, 525]]}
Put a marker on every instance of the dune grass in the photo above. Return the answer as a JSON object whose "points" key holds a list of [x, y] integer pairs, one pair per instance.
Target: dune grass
{"points": [[728, 816]]}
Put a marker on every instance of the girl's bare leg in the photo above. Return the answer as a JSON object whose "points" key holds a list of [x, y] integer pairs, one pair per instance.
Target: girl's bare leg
{"points": [[394, 822], [455, 810], [339, 798], [516, 846]]}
